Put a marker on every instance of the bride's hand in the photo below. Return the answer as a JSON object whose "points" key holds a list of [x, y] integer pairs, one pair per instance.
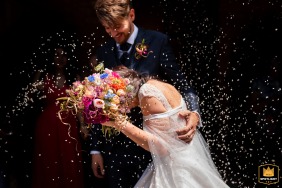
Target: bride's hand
{"points": [[109, 124], [117, 124]]}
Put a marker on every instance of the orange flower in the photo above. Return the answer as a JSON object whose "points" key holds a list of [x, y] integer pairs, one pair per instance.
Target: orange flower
{"points": [[117, 84]]}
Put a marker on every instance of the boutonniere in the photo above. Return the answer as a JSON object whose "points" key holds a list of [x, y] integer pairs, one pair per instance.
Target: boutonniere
{"points": [[142, 50]]}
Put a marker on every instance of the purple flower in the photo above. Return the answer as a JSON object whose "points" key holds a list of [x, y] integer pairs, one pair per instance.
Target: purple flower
{"points": [[87, 102]]}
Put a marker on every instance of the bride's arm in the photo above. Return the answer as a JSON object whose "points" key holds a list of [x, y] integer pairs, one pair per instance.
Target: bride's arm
{"points": [[139, 136]]}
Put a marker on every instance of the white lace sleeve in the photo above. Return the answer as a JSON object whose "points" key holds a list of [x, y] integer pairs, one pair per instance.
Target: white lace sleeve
{"points": [[148, 90]]}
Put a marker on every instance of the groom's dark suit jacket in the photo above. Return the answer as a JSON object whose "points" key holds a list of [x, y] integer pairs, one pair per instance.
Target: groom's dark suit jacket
{"points": [[162, 63]]}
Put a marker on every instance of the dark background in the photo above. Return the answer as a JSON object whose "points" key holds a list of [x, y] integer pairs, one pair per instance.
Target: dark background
{"points": [[223, 46]]}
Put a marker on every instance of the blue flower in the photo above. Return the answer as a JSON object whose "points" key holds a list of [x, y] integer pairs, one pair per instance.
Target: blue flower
{"points": [[109, 95], [91, 78], [104, 75]]}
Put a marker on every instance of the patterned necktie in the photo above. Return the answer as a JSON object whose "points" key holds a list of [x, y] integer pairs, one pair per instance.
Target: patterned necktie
{"points": [[124, 59]]}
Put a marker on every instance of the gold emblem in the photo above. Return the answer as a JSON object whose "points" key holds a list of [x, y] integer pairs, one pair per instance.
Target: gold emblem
{"points": [[268, 174]]}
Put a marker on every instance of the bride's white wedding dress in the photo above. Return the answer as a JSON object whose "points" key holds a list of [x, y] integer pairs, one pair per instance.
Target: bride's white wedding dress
{"points": [[176, 164]]}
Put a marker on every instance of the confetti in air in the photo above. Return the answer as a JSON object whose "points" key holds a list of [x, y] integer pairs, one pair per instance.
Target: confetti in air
{"points": [[230, 53]]}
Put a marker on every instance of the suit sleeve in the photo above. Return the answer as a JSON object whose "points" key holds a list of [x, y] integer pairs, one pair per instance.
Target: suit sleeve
{"points": [[97, 138]]}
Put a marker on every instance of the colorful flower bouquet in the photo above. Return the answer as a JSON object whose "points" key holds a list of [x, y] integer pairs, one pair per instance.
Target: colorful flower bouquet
{"points": [[100, 97]]}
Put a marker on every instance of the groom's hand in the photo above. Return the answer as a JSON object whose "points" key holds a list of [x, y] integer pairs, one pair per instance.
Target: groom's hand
{"points": [[192, 120], [98, 165]]}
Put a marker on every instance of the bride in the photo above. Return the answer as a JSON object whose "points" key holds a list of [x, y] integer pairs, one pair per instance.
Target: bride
{"points": [[175, 163]]}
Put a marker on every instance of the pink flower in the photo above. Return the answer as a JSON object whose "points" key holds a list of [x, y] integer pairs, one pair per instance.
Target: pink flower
{"points": [[98, 103], [108, 71], [127, 81], [116, 75], [76, 83], [86, 101], [89, 92]]}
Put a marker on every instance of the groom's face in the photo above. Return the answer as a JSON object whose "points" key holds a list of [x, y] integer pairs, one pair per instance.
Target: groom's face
{"points": [[121, 30]]}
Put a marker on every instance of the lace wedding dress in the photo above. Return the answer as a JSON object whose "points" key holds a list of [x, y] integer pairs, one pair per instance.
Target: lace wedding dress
{"points": [[176, 164]]}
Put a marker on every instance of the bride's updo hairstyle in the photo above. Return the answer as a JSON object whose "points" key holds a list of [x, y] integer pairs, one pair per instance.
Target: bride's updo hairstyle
{"points": [[136, 80]]}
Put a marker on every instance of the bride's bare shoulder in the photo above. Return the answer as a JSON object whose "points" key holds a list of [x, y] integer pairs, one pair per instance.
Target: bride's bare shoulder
{"points": [[170, 92]]}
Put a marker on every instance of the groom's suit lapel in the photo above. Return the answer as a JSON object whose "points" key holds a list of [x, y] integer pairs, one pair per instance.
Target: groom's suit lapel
{"points": [[112, 51], [140, 36]]}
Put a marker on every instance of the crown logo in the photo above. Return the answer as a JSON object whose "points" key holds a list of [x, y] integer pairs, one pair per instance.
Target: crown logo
{"points": [[268, 172]]}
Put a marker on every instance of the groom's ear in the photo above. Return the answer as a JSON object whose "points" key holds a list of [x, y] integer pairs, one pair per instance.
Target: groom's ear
{"points": [[131, 15]]}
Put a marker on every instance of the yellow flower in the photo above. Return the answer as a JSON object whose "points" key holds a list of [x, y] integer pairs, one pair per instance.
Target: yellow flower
{"points": [[121, 92], [115, 99], [114, 107]]}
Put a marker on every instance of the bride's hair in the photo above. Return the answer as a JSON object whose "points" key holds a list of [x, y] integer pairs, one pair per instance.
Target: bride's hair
{"points": [[135, 78]]}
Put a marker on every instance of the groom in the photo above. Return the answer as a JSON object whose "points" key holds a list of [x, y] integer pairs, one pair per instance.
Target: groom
{"points": [[119, 159]]}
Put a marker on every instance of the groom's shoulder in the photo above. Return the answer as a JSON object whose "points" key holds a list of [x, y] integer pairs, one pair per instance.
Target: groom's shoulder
{"points": [[154, 33], [107, 45]]}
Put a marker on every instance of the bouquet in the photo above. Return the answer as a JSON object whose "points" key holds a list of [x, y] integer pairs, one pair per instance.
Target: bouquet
{"points": [[100, 97]]}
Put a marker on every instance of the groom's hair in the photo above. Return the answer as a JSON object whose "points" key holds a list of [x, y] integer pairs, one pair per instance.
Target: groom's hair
{"points": [[112, 11]]}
